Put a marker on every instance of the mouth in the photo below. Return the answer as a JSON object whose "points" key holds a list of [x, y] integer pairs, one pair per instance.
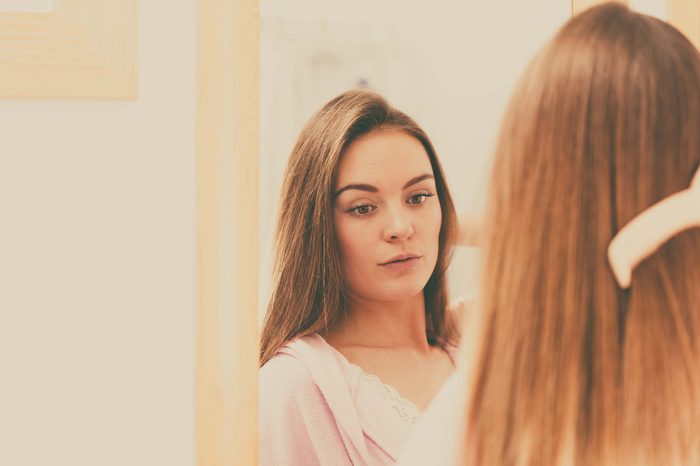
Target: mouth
{"points": [[401, 259]]}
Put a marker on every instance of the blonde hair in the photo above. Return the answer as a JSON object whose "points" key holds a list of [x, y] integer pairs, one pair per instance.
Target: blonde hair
{"points": [[572, 369], [308, 292]]}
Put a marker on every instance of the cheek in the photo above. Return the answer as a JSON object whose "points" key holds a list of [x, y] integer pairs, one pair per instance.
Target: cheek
{"points": [[352, 239], [433, 221]]}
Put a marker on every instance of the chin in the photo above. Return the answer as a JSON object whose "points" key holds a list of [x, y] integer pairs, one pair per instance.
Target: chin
{"points": [[398, 291]]}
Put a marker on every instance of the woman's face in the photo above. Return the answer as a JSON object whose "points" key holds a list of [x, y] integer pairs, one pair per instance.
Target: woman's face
{"points": [[387, 216]]}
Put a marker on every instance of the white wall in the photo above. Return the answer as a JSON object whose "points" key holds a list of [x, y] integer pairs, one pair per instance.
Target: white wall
{"points": [[97, 266], [448, 63]]}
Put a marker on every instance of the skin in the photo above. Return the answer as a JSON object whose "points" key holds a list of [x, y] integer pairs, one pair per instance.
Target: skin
{"points": [[386, 206]]}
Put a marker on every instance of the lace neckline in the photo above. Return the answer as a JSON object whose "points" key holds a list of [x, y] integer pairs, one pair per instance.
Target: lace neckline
{"points": [[406, 408]]}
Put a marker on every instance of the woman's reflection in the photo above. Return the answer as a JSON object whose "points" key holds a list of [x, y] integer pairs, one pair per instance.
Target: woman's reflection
{"points": [[358, 337]]}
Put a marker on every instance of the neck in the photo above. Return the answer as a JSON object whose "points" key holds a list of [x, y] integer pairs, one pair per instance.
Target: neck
{"points": [[384, 324]]}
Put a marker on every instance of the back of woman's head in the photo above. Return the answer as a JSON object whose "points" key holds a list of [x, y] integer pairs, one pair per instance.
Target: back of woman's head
{"points": [[308, 291], [572, 368]]}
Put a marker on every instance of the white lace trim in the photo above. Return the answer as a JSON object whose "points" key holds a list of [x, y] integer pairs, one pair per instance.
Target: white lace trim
{"points": [[408, 411]]}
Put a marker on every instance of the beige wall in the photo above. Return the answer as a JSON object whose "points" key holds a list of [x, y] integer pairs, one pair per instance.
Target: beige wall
{"points": [[97, 266]]}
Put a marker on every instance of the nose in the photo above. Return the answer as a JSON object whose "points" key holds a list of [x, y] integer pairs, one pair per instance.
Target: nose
{"points": [[399, 226]]}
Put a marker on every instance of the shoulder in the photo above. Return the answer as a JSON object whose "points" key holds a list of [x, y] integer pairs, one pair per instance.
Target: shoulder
{"points": [[283, 365], [288, 399], [298, 362], [284, 379], [296, 424]]}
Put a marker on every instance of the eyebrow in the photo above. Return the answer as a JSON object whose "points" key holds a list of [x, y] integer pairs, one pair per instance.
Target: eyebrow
{"points": [[418, 179], [373, 189]]}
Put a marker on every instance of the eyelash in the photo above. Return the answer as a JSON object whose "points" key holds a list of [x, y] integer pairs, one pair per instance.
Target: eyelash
{"points": [[424, 195]]}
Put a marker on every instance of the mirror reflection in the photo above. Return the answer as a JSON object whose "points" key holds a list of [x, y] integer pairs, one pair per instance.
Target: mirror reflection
{"points": [[455, 271]]}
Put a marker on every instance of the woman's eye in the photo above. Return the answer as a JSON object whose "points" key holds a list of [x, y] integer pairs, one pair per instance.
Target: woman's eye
{"points": [[362, 209], [419, 198]]}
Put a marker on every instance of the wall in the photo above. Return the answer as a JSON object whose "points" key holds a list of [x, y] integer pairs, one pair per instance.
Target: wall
{"points": [[97, 265]]}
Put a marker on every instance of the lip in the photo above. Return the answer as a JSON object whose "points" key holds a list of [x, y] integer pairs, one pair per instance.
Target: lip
{"points": [[400, 257], [401, 262]]}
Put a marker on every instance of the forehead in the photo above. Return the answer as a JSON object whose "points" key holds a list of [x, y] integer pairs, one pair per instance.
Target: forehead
{"points": [[383, 158]]}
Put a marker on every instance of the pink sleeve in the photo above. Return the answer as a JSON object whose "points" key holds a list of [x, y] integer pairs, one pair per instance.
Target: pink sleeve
{"points": [[297, 428]]}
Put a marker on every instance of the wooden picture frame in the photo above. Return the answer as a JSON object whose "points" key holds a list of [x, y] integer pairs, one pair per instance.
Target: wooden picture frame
{"points": [[83, 49]]}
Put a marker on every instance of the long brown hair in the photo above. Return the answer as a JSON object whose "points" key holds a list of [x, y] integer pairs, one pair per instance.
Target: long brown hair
{"points": [[308, 294], [570, 368]]}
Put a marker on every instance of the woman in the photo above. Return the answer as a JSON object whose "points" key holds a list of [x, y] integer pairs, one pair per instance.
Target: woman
{"points": [[357, 336], [589, 344]]}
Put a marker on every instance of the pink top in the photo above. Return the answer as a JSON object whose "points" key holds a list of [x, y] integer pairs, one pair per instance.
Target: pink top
{"points": [[317, 408]]}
